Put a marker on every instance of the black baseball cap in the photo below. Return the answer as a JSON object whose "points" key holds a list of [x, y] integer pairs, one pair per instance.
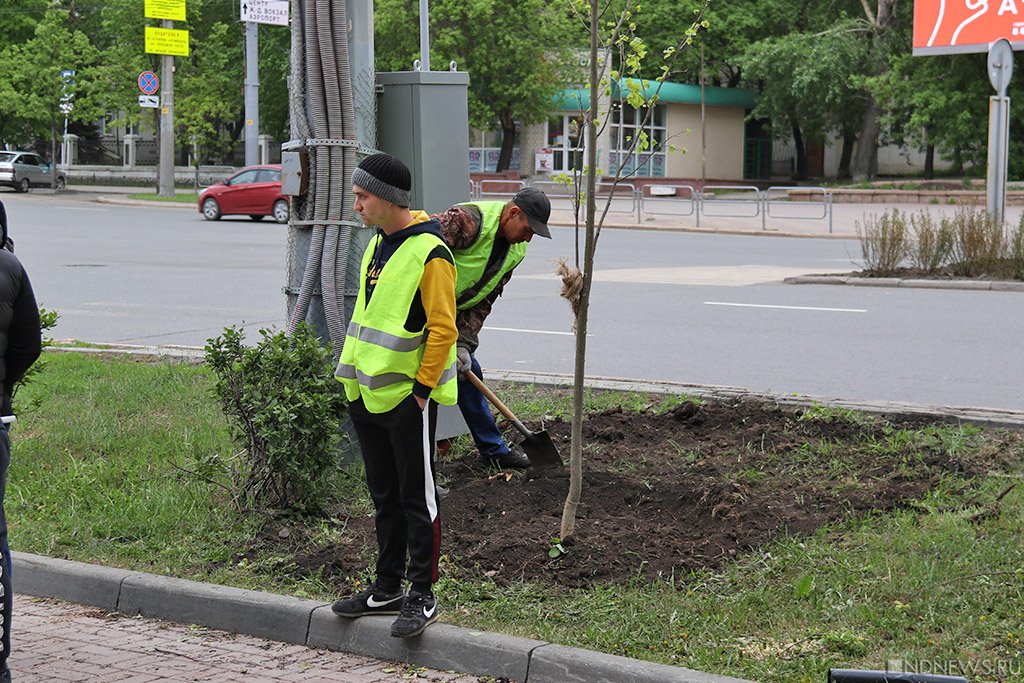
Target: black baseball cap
{"points": [[537, 207]]}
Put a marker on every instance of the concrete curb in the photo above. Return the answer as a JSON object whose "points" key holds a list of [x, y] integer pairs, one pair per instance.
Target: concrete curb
{"points": [[912, 283], [311, 623]]}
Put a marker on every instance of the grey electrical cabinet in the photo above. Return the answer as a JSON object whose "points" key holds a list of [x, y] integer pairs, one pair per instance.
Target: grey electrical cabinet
{"points": [[423, 119]]}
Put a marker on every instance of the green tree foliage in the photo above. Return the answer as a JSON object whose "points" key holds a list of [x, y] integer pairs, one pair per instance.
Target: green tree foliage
{"points": [[32, 89], [807, 83], [510, 48], [208, 83]]}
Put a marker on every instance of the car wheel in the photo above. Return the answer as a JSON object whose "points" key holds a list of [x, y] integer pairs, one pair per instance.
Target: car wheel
{"points": [[61, 182], [23, 185], [281, 211], [211, 209], [256, 218]]}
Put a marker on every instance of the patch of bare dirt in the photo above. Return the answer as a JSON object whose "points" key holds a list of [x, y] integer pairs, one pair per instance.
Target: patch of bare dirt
{"points": [[667, 493]]}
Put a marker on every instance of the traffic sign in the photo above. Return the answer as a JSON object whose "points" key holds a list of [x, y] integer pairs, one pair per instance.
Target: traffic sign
{"points": [[166, 41], [265, 11], [173, 10], [149, 83], [149, 101]]}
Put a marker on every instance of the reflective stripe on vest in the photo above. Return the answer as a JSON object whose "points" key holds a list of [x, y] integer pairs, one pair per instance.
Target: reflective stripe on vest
{"points": [[471, 262], [380, 358]]}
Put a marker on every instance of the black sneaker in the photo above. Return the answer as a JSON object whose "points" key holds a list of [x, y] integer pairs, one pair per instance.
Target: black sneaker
{"points": [[369, 601], [418, 612], [513, 460]]}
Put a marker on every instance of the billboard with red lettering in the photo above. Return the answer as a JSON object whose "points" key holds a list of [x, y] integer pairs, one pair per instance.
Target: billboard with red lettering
{"points": [[943, 27]]}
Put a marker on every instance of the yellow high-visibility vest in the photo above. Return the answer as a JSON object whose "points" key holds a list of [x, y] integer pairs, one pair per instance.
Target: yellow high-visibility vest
{"points": [[470, 287], [380, 358]]}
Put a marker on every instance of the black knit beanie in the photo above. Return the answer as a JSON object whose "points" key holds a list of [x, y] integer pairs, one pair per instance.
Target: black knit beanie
{"points": [[385, 176]]}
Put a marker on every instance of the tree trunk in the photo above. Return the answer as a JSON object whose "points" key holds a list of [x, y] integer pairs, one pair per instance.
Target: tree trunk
{"points": [[865, 163], [508, 141], [801, 153], [929, 162], [849, 137], [572, 498]]}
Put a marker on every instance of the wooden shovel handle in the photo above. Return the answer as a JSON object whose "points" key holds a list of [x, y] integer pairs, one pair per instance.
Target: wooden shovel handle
{"points": [[497, 403]]}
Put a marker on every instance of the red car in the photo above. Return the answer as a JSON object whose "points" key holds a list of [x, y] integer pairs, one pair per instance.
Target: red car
{"points": [[255, 191]]}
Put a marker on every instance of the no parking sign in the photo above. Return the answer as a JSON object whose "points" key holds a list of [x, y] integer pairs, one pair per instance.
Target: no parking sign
{"points": [[148, 82]]}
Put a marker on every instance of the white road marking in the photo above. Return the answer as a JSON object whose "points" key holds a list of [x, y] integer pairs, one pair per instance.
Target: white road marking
{"points": [[791, 308], [516, 329], [719, 276]]}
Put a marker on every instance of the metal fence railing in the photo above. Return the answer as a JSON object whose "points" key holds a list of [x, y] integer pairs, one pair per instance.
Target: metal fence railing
{"points": [[711, 201], [772, 198], [670, 200]]}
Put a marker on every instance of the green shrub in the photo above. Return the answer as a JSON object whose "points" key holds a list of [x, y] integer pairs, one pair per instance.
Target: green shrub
{"points": [[1016, 251], [47, 321], [883, 242], [284, 408], [932, 244], [979, 245]]}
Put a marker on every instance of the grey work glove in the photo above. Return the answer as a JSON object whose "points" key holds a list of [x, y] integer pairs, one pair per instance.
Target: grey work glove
{"points": [[464, 362]]}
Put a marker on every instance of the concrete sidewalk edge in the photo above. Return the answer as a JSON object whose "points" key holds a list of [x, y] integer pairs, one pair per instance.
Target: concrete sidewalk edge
{"points": [[907, 283], [311, 623]]}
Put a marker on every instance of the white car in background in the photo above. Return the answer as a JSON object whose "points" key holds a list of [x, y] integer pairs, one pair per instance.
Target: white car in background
{"points": [[24, 170]]}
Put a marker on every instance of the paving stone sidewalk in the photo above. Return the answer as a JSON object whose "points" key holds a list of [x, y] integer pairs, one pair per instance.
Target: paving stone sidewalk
{"points": [[60, 642]]}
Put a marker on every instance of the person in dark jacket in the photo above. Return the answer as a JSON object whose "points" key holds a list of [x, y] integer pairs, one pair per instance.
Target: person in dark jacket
{"points": [[20, 345]]}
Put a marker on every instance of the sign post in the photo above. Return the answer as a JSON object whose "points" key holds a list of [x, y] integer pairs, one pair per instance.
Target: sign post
{"points": [[946, 28], [167, 42], [1000, 69], [254, 12]]}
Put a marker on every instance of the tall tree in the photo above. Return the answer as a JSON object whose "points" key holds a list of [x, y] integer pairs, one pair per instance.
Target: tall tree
{"points": [[807, 84], [510, 48], [32, 87]]}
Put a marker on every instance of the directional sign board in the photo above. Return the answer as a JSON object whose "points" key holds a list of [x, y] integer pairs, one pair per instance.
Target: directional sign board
{"points": [[149, 101], [944, 27], [148, 82], [265, 11]]}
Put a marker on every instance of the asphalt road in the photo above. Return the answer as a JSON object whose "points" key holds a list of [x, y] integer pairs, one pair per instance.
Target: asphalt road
{"points": [[686, 307]]}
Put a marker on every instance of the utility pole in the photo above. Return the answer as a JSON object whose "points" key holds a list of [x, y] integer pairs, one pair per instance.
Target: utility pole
{"points": [[166, 176], [252, 93]]}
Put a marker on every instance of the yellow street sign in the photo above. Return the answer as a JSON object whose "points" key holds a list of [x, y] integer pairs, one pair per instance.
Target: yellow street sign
{"points": [[165, 9], [166, 41]]}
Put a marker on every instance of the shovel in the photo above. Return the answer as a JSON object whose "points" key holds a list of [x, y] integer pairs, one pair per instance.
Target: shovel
{"points": [[537, 445]]}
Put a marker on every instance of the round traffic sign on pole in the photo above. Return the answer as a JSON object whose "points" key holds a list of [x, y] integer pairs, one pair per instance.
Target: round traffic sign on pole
{"points": [[1000, 65], [149, 83]]}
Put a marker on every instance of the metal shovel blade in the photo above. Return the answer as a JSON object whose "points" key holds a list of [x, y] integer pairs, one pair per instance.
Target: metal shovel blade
{"points": [[541, 450], [537, 445]]}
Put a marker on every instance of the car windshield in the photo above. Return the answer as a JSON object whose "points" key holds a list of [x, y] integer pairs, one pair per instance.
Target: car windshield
{"points": [[6, 156]]}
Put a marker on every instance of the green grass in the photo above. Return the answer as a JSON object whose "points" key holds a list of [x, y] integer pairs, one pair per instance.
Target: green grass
{"points": [[179, 198], [98, 475]]}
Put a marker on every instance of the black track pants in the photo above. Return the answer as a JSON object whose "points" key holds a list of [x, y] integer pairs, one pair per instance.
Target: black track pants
{"points": [[398, 449]]}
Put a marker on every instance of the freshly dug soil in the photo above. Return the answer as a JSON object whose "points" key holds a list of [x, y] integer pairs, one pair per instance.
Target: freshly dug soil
{"points": [[666, 493]]}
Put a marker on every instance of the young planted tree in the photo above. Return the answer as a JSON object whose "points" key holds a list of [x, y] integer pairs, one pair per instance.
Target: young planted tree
{"points": [[616, 58]]}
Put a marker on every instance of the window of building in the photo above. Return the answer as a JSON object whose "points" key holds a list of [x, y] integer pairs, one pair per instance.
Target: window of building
{"points": [[565, 138], [485, 148], [627, 125]]}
